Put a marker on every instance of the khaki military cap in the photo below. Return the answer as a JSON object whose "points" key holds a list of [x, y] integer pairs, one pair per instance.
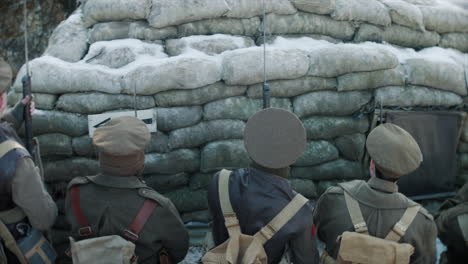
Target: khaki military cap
{"points": [[274, 138], [122, 136], [5, 76], [393, 149]]}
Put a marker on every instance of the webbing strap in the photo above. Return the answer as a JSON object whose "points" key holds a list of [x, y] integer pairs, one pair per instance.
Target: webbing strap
{"points": [[288, 212], [133, 231], [10, 243], [85, 228], [230, 218], [12, 216], [9, 145], [463, 223], [355, 214], [399, 229]]}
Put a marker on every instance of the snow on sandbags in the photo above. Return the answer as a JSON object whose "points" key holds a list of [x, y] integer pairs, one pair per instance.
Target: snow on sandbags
{"points": [[175, 12], [118, 53], [326, 127], [251, 8], [291, 88], [199, 96], [305, 23], [115, 10], [322, 7], [70, 33], [210, 45], [46, 122], [241, 66], [352, 147], [178, 117], [122, 30], [371, 11], [55, 144], [42, 100], [415, 96], [371, 80], [330, 103], [67, 169], [445, 18], [182, 160], [150, 77], [225, 154], [405, 14], [339, 59], [231, 26], [317, 152], [457, 41], [339, 169], [398, 35]]}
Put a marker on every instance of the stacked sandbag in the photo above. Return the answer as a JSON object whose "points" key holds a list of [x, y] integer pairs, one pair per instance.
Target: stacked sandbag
{"points": [[199, 64]]}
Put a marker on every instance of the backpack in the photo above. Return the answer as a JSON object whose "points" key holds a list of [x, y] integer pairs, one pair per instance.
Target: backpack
{"points": [[245, 249], [106, 249], [360, 247]]}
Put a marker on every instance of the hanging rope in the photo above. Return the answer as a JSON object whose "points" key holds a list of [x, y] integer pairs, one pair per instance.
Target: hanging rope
{"points": [[266, 87]]}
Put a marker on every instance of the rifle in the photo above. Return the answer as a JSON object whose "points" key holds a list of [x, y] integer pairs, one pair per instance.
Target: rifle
{"points": [[27, 115]]}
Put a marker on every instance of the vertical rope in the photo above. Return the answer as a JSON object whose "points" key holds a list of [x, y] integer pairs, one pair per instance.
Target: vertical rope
{"points": [[266, 87]]}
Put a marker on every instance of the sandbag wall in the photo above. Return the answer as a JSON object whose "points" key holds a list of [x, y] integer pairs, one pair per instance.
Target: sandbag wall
{"points": [[199, 64]]}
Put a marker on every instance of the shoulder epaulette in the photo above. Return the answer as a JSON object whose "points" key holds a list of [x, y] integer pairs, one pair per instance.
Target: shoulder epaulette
{"points": [[77, 181], [153, 195], [426, 213]]}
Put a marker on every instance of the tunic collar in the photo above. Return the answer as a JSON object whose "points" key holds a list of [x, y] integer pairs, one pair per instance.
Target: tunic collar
{"points": [[383, 185], [131, 182]]}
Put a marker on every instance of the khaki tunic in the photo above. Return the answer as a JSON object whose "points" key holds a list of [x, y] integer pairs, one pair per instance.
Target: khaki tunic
{"points": [[382, 206], [110, 203]]}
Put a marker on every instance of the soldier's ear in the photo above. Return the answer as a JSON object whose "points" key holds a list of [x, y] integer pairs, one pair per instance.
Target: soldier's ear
{"points": [[372, 168]]}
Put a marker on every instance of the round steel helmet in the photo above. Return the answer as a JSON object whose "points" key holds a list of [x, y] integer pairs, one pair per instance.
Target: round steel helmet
{"points": [[274, 138]]}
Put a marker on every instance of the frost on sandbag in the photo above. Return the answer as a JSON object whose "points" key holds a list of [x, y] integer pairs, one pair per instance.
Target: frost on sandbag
{"points": [[445, 18], [225, 154], [415, 96], [339, 59], [42, 100], [405, 14], [177, 117], [175, 12], [182, 160], [122, 30], [306, 23], [150, 77], [251, 8], [440, 74], [330, 103], [46, 122], [339, 169], [371, 11], [398, 35], [114, 10], [72, 34], [352, 146], [210, 45], [291, 88], [317, 152], [118, 53], [371, 80], [230, 26], [55, 144], [245, 66], [457, 41], [67, 169], [322, 7], [141, 30], [321, 127]]}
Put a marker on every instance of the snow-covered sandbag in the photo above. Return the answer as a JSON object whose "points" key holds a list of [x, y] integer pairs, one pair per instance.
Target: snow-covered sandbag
{"points": [[322, 7], [54, 76], [339, 59], [304, 187], [405, 14], [55, 145], [306, 23], [229, 26], [320, 127], [198, 96], [398, 35], [415, 96], [83, 146], [114, 10], [150, 77], [67, 169], [182, 160], [440, 74], [93, 103], [42, 100], [178, 117], [186, 200], [457, 41], [141, 30], [445, 19], [252, 8], [118, 53], [123, 30], [371, 80], [330, 103], [371, 11], [225, 154], [317, 152], [72, 34], [245, 66], [240, 107], [352, 146], [339, 169], [291, 88], [175, 12], [210, 45], [165, 183], [205, 132], [46, 122]]}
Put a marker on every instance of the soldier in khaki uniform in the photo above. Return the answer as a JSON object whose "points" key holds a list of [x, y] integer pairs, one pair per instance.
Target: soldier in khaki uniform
{"points": [[274, 139], [394, 153], [23, 198], [452, 224], [109, 203]]}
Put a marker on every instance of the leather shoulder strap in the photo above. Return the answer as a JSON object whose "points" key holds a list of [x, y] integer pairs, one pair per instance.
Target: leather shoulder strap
{"points": [[288, 212], [134, 230], [355, 213], [8, 145], [10, 243], [399, 229], [230, 218], [463, 224], [85, 228]]}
